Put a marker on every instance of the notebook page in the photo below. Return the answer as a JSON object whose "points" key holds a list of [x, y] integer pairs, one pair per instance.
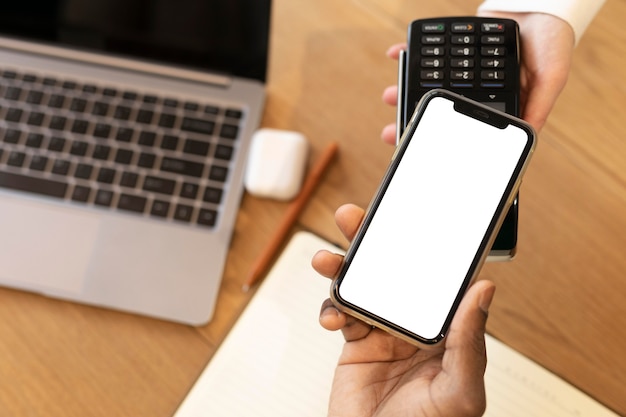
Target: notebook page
{"points": [[518, 387], [277, 360]]}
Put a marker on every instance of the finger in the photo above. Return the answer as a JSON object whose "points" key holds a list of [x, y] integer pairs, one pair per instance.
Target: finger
{"points": [[394, 50], [326, 263], [465, 358], [390, 95], [348, 218], [388, 134], [539, 102], [330, 317]]}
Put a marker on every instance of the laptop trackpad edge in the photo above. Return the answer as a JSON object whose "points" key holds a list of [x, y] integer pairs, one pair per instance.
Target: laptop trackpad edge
{"points": [[44, 247]]}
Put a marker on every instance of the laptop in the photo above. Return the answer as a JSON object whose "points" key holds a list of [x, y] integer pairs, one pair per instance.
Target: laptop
{"points": [[124, 130]]}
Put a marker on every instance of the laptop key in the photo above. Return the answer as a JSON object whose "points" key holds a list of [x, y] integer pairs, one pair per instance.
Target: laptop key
{"points": [[218, 173], [159, 185], [207, 217], [81, 193], [229, 131], [124, 134], [212, 195], [61, 167], [13, 93], [57, 122], [13, 115], [102, 130], [122, 112], [233, 113], [79, 148], [80, 126], [34, 140], [106, 176], [129, 179], [83, 171], [103, 198], [34, 97], [160, 208], [146, 138], [169, 142], [35, 118], [56, 144], [224, 152], [12, 136], [132, 203], [100, 108], [78, 105], [38, 163], [109, 92], [101, 152], [146, 160], [34, 185], [180, 166], [196, 147], [167, 120], [56, 101], [16, 159], [145, 116], [189, 190], [123, 156], [183, 212], [198, 125]]}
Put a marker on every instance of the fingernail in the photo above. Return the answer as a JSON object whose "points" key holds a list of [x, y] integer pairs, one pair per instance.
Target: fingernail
{"points": [[487, 298]]}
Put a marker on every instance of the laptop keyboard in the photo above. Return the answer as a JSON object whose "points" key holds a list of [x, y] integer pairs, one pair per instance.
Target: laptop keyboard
{"points": [[116, 149]]}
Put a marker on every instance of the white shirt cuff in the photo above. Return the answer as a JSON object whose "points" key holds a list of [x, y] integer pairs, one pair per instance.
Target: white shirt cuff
{"points": [[578, 13]]}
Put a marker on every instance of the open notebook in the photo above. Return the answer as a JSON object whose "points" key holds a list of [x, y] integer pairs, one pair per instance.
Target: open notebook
{"points": [[278, 361]]}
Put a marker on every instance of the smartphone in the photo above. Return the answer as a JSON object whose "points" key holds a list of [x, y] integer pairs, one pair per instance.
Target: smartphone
{"points": [[416, 253], [477, 57]]}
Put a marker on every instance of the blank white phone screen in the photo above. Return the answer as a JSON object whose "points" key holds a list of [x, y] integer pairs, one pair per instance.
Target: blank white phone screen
{"points": [[417, 250]]}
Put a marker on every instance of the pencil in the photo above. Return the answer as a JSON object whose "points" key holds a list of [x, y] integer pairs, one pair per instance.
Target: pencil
{"points": [[291, 215]]}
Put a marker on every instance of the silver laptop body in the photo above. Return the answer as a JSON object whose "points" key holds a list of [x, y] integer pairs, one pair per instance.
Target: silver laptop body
{"points": [[157, 246]]}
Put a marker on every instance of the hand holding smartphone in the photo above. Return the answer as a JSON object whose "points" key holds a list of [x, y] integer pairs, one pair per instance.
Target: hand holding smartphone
{"points": [[415, 254]]}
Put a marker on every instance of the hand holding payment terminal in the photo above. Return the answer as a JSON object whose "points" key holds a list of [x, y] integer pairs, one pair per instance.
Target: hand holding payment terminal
{"points": [[477, 57]]}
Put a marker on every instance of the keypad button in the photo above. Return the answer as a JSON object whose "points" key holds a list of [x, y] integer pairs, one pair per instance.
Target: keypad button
{"points": [[492, 63], [463, 51], [433, 27], [462, 63], [432, 75], [492, 75], [493, 51], [462, 75], [492, 40], [496, 27], [433, 40], [462, 27], [433, 51], [462, 40], [432, 62]]}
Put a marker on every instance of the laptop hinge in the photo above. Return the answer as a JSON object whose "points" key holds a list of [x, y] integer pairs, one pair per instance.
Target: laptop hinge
{"points": [[116, 62]]}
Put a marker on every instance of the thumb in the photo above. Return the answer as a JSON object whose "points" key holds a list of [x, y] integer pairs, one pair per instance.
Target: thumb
{"points": [[465, 357]]}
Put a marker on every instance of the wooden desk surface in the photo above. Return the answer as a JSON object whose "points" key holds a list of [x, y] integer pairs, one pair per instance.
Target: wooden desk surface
{"points": [[562, 301]]}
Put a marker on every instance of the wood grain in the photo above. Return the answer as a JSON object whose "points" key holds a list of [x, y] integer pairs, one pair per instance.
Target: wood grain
{"points": [[562, 301]]}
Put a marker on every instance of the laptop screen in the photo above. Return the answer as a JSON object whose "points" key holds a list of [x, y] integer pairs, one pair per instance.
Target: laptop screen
{"points": [[226, 36]]}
